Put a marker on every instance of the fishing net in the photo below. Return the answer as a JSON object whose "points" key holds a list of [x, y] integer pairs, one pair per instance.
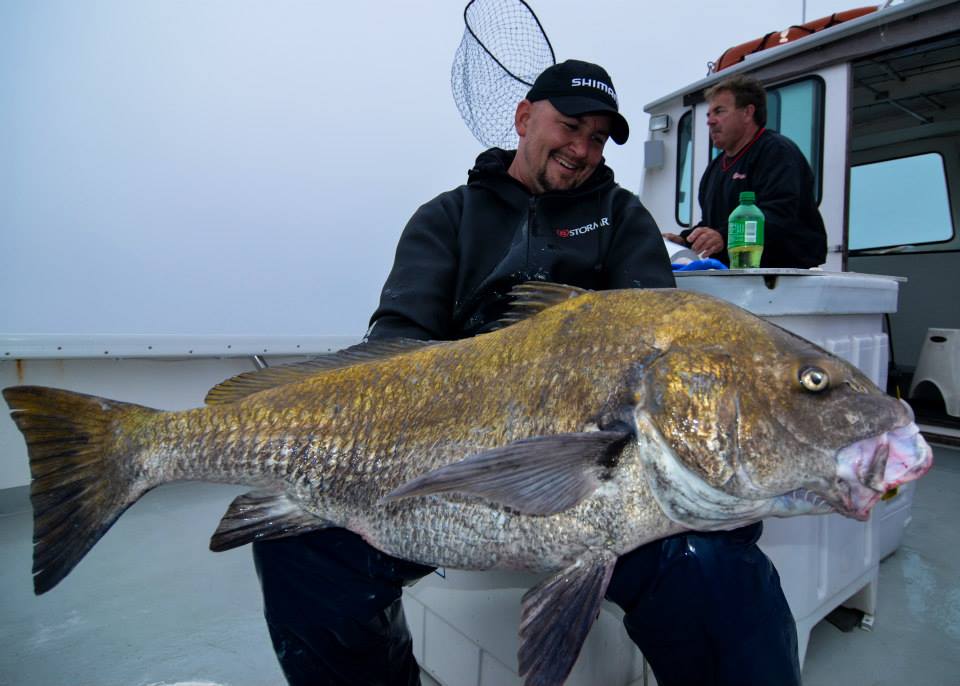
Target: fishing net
{"points": [[504, 49]]}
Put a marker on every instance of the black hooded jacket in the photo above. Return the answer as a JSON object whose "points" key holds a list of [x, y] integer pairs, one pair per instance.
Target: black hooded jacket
{"points": [[777, 172], [462, 252]]}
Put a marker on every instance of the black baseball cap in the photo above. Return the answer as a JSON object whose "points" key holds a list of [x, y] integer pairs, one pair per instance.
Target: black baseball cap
{"points": [[576, 88]]}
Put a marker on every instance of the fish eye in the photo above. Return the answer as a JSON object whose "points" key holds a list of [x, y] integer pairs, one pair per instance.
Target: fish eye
{"points": [[814, 379]]}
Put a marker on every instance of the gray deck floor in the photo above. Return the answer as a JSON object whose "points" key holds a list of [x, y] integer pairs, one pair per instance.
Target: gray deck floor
{"points": [[151, 606]]}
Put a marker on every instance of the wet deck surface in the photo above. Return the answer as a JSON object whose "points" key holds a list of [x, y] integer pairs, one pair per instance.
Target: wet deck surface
{"points": [[151, 606]]}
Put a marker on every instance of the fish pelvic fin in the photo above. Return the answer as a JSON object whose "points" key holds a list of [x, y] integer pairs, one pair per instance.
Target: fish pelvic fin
{"points": [[240, 386], [83, 476], [557, 615], [260, 516], [541, 476]]}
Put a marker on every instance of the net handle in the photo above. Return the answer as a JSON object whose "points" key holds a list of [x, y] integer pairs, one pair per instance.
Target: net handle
{"points": [[553, 56]]}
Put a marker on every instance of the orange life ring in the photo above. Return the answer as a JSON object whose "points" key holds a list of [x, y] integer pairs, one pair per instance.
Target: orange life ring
{"points": [[737, 53]]}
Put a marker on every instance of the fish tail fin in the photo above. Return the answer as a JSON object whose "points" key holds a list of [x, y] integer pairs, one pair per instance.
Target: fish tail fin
{"points": [[84, 474]]}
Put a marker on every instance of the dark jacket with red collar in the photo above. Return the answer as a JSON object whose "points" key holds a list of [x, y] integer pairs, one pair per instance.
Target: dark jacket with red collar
{"points": [[777, 172], [462, 252]]}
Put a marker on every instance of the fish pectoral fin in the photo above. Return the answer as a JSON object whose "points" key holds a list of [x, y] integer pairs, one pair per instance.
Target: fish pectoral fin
{"points": [[557, 615], [540, 476], [260, 516]]}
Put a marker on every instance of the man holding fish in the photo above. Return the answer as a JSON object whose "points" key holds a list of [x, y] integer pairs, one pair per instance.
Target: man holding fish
{"points": [[704, 608]]}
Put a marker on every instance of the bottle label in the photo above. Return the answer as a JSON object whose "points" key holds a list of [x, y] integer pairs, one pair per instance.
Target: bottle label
{"points": [[735, 234], [750, 232]]}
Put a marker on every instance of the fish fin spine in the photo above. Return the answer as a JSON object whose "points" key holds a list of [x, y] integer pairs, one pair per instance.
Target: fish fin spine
{"points": [[530, 298], [243, 385]]}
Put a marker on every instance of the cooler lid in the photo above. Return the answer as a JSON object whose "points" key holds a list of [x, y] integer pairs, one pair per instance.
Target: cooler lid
{"points": [[772, 292]]}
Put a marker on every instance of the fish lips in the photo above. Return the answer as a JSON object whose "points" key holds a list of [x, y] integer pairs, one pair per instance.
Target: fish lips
{"points": [[872, 466]]}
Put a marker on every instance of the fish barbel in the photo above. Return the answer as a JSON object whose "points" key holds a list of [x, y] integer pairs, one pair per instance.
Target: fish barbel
{"points": [[591, 423]]}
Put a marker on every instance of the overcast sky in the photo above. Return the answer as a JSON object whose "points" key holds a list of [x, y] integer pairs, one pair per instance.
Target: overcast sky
{"points": [[222, 166]]}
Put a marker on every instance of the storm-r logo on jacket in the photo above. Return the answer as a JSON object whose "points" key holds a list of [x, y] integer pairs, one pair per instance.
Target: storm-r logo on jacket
{"points": [[586, 228]]}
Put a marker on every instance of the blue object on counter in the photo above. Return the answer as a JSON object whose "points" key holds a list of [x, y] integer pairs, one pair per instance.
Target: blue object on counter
{"points": [[696, 265]]}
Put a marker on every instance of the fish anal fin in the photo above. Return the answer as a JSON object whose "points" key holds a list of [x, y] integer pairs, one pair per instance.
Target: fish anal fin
{"points": [[248, 383], [260, 516], [557, 616], [541, 476]]}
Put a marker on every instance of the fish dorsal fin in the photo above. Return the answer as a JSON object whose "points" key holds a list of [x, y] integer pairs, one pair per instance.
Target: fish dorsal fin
{"points": [[261, 516], [248, 383], [533, 297]]}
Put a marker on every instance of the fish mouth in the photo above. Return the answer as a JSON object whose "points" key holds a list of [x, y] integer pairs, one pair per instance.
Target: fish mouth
{"points": [[869, 468]]}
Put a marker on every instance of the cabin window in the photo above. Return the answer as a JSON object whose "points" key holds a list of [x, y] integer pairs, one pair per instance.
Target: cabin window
{"points": [[901, 201], [684, 203], [795, 110]]}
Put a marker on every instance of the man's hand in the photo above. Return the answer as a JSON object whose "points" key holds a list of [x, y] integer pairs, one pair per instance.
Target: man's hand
{"points": [[705, 241]]}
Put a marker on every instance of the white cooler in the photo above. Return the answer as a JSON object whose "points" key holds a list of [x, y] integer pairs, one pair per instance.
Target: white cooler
{"points": [[465, 624]]}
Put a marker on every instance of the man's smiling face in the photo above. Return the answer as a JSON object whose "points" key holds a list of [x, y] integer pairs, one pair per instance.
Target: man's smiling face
{"points": [[557, 152]]}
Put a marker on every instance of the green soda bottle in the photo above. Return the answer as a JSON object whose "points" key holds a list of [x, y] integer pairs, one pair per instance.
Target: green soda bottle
{"points": [[745, 233]]}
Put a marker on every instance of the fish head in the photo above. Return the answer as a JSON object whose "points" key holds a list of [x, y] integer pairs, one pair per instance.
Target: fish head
{"points": [[755, 421]]}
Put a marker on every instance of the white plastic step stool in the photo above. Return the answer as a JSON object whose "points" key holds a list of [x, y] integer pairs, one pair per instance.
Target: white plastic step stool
{"points": [[939, 364]]}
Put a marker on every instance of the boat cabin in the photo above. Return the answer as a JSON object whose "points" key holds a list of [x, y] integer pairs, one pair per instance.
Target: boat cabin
{"points": [[874, 103]]}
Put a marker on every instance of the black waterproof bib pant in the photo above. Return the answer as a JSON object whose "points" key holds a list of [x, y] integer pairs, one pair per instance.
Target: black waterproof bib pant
{"points": [[704, 608], [332, 605]]}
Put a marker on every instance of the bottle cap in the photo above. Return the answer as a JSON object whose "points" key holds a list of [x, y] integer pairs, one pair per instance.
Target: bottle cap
{"points": [[747, 196]]}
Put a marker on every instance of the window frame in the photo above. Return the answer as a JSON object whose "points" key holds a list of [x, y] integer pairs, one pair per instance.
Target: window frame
{"points": [[678, 186]]}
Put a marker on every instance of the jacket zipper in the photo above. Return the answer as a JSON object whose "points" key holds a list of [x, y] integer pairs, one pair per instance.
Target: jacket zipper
{"points": [[531, 218]]}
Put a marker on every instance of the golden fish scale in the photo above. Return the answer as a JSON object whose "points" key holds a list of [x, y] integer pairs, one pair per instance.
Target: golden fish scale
{"points": [[340, 440], [441, 392], [473, 534], [549, 372]]}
